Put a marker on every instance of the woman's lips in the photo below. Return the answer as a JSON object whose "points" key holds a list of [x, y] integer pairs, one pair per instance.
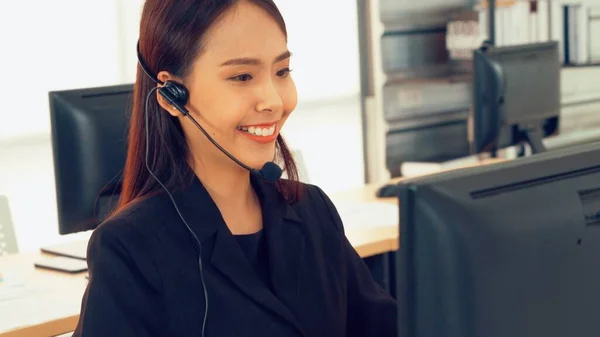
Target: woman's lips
{"points": [[261, 133]]}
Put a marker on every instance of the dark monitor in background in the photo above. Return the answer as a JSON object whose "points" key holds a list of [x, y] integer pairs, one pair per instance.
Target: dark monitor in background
{"points": [[510, 249], [89, 133], [516, 96]]}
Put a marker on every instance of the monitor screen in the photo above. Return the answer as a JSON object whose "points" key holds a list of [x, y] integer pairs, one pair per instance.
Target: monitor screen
{"points": [[89, 133], [506, 250], [532, 81], [516, 90]]}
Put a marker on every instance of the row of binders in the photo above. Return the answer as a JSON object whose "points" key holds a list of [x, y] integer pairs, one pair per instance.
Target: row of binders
{"points": [[574, 24]]}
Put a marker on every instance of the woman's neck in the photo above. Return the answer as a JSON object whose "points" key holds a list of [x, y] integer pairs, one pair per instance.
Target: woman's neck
{"points": [[232, 192], [229, 184]]}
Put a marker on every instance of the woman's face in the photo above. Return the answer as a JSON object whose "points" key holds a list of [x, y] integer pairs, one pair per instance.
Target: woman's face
{"points": [[240, 88]]}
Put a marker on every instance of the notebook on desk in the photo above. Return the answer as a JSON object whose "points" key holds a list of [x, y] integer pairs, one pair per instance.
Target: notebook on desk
{"points": [[74, 249]]}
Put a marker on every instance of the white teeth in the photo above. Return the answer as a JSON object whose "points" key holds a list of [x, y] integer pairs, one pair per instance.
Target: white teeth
{"points": [[258, 131]]}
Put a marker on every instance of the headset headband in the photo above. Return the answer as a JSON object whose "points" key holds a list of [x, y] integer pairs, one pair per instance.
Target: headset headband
{"points": [[145, 67]]}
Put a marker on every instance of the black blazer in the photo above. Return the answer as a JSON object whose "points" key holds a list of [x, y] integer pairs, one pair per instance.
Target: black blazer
{"points": [[144, 273]]}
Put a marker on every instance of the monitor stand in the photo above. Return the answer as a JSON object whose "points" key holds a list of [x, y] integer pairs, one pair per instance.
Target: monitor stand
{"points": [[533, 136]]}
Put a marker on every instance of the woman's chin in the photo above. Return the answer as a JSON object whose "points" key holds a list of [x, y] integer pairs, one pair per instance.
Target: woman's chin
{"points": [[258, 159], [257, 162]]}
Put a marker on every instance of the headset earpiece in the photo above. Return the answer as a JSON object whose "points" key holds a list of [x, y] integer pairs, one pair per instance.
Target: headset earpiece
{"points": [[176, 94]]}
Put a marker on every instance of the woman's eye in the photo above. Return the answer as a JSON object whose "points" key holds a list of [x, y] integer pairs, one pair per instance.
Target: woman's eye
{"points": [[242, 78], [284, 72]]}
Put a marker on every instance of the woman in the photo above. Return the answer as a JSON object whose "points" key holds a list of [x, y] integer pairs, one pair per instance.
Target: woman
{"points": [[199, 246]]}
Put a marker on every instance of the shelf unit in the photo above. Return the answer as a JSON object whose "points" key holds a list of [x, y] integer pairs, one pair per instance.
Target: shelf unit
{"points": [[402, 46], [415, 25]]}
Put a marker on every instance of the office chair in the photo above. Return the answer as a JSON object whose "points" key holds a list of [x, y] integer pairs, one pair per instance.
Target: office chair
{"points": [[8, 240]]}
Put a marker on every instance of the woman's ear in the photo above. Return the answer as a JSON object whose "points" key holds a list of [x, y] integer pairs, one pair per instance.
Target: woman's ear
{"points": [[164, 76], [168, 107]]}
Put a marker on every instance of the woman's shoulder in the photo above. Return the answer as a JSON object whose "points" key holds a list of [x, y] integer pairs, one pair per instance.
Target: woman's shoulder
{"points": [[137, 218], [313, 195], [316, 202], [123, 243]]}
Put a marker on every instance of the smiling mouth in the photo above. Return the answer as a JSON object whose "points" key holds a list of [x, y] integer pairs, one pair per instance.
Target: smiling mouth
{"points": [[260, 131]]}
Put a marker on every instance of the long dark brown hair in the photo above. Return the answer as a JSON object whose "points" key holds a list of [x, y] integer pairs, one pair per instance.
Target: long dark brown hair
{"points": [[170, 39]]}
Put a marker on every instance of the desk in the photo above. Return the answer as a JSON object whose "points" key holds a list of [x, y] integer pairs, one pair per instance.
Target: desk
{"points": [[56, 311]]}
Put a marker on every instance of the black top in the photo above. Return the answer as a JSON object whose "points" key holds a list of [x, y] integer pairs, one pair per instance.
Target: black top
{"points": [[145, 279], [255, 250]]}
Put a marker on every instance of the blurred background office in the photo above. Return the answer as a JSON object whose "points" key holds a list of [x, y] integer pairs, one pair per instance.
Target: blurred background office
{"points": [[380, 82]]}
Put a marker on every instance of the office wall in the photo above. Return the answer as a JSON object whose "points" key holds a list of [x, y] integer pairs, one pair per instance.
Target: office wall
{"points": [[52, 45], [65, 44], [85, 43], [323, 35]]}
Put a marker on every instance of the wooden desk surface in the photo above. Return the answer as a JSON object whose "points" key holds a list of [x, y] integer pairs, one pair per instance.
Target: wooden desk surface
{"points": [[374, 238], [56, 310]]}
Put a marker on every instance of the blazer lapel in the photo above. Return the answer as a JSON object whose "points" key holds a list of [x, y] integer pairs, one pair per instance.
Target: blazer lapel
{"points": [[285, 246], [228, 258], [285, 242]]}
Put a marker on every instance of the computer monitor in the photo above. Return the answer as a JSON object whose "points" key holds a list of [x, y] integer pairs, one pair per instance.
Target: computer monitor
{"points": [[516, 96], [89, 133], [510, 249]]}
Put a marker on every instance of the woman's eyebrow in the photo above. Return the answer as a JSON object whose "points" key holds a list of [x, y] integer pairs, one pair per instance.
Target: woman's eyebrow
{"points": [[253, 61]]}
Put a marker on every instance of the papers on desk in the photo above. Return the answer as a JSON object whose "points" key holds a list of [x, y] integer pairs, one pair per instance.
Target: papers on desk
{"points": [[11, 285], [20, 303], [367, 214]]}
